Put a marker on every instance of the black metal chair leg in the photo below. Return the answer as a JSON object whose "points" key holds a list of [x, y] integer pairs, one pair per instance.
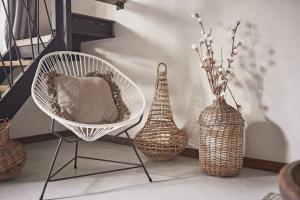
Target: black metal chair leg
{"points": [[61, 138], [138, 156], [76, 154], [51, 168]]}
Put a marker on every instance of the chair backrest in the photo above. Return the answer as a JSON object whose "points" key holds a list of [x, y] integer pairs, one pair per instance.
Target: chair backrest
{"points": [[79, 64]]}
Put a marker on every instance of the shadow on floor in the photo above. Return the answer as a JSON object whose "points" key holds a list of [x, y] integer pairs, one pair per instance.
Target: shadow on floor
{"points": [[124, 188]]}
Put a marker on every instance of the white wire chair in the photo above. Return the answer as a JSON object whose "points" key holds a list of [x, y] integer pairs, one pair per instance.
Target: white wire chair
{"points": [[79, 64]]}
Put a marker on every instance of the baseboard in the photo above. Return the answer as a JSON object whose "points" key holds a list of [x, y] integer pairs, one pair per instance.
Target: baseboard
{"points": [[253, 163], [42, 138], [266, 165]]}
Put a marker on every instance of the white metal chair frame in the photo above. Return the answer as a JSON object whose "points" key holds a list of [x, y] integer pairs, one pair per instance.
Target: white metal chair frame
{"points": [[79, 64]]}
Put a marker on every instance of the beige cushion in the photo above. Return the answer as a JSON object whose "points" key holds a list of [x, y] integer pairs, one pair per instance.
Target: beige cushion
{"points": [[84, 100], [124, 112]]}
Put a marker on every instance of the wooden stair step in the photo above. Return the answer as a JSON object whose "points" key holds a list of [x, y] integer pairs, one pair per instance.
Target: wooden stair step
{"points": [[15, 63], [3, 88], [94, 29], [118, 3], [27, 41]]}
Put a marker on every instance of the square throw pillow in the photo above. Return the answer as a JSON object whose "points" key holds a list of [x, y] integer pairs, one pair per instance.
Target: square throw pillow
{"points": [[82, 99], [116, 92]]}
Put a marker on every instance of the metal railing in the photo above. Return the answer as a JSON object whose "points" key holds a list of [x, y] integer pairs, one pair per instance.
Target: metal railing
{"points": [[8, 60]]}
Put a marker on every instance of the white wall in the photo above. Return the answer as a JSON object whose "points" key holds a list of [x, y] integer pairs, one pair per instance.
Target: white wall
{"points": [[148, 32]]}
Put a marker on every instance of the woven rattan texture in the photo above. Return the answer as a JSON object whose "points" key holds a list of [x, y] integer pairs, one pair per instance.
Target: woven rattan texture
{"points": [[12, 153], [160, 139], [221, 140]]}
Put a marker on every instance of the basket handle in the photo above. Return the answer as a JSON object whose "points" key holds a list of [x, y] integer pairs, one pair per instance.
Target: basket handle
{"points": [[165, 67]]}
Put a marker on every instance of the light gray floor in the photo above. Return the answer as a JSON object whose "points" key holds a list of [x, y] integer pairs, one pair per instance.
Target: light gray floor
{"points": [[177, 179]]}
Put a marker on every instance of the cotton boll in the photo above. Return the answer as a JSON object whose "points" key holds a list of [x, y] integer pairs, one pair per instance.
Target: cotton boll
{"points": [[199, 20], [230, 59], [194, 47], [193, 15], [235, 51]]}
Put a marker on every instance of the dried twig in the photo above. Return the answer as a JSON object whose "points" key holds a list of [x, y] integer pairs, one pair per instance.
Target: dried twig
{"points": [[217, 74]]}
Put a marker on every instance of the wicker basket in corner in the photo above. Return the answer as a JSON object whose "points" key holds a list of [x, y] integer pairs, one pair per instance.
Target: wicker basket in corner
{"points": [[12, 153], [160, 139], [221, 139]]}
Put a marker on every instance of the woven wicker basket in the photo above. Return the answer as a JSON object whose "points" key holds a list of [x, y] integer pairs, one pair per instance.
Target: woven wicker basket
{"points": [[12, 153], [221, 139], [160, 139]]}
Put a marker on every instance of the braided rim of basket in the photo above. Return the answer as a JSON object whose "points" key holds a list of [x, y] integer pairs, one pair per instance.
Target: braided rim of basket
{"points": [[221, 103]]}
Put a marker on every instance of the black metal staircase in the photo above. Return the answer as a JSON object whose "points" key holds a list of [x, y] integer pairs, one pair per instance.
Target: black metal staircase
{"points": [[19, 63]]}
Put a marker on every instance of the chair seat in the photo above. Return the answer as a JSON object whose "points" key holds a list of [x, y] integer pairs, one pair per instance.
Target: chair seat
{"points": [[79, 64]]}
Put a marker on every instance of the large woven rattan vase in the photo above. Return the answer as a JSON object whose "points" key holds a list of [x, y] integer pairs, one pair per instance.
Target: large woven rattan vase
{"points": [[221, 139], [160, 139], [12, 153]]}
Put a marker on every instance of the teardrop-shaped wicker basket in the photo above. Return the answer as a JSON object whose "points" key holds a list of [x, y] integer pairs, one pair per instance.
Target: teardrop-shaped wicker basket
{"points": [[12, 153], [160, 139], [221, 139]]}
